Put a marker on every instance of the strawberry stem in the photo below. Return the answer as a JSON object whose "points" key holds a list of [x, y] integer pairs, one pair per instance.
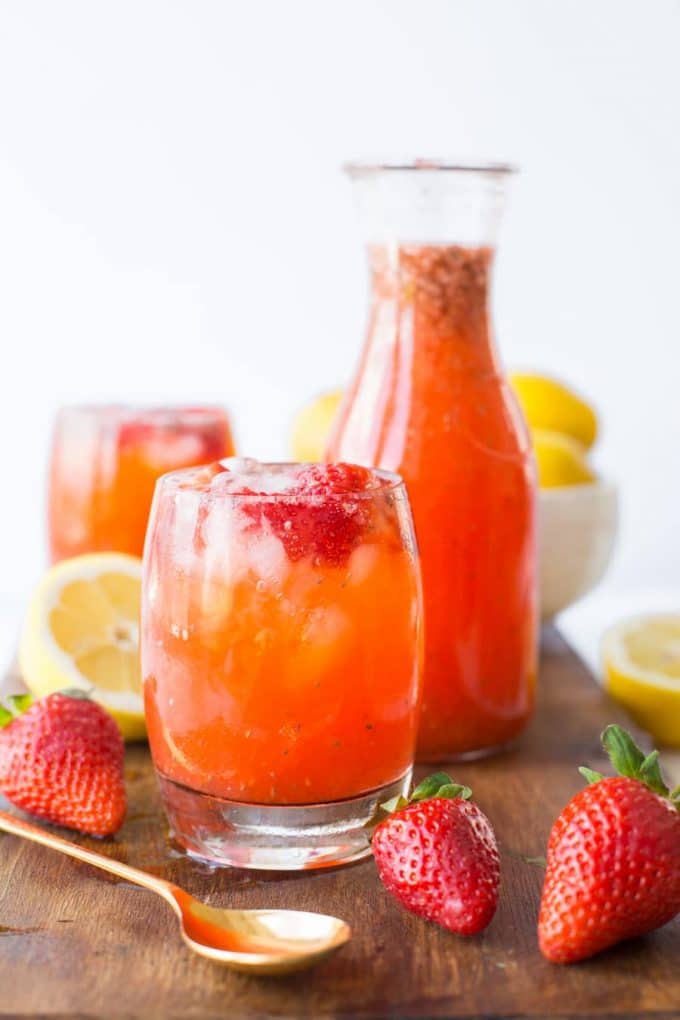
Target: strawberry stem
{"points": [[430, 786], [439, 784], [590, 775], [650, 774], [17, 704], [540, 862], [630, 761], [394, 804], [453, 790], [624, 754]]}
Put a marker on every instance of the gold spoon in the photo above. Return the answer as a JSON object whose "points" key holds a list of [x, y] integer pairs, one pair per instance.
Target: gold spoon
{"points": [[255, 941]]}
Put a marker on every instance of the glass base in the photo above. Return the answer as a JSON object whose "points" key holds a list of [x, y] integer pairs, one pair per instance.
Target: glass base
{"points": [[287, 838], [472, 755]]}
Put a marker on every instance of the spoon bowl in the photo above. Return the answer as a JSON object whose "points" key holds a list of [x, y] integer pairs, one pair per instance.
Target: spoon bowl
{"points": [[266, 941], [253, 941]]}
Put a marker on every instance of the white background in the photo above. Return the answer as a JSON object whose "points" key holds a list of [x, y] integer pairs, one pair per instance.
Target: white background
{"points": [[174, 224]]}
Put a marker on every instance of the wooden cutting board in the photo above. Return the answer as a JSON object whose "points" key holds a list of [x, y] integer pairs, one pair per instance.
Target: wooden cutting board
{"points": [[75, 943]]}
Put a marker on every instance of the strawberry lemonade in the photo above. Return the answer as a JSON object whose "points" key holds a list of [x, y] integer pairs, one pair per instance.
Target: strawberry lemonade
{"points": [[281, 657], [430, 401], [105, 462]]}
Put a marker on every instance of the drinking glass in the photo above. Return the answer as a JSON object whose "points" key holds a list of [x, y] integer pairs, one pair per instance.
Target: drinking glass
{"points": [[105, 462], [281, 613]]}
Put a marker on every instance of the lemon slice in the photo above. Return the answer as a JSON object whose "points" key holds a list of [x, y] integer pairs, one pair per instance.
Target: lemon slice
{"points": [[82, 631], [641, 659]]}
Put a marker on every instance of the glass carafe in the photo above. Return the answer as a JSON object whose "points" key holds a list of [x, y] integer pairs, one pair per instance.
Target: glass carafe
{"points": [[429, 400]]}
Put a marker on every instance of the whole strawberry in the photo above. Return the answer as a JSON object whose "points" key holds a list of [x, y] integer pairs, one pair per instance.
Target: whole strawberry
{"points": [[613, 865], [61, 758], [437, 855]]}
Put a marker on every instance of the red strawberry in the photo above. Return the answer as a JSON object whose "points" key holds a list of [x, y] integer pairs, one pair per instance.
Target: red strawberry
{"points": [[323, 514], [61, 758], [613, 866], [438, 856]]}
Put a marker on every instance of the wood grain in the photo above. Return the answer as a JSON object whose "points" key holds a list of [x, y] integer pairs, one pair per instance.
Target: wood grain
{"points": [[74, 943]]}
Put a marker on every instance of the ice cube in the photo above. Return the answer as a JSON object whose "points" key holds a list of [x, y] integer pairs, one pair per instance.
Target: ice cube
{"points": [[269, 483], [241, 465], [266, 557], [327, 626], [245, 473], [165, 450], [181, 531], [222, 539], [362, 562]]}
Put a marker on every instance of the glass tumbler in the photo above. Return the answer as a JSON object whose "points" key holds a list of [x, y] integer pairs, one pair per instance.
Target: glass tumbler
{"points": [[104, 465], [281, 657]]}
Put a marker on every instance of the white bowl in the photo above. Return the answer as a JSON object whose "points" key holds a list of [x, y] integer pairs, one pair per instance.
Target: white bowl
{"points": [[576, 535]]}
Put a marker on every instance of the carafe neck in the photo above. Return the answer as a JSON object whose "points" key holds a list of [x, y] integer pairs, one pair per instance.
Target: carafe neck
{"points": [[437, 296]]}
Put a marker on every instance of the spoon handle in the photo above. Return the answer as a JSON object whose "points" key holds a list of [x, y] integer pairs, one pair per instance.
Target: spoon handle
{"points": [[18, 827]]}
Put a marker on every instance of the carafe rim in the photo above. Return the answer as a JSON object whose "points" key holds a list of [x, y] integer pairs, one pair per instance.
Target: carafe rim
{"points": [[361, 168]]}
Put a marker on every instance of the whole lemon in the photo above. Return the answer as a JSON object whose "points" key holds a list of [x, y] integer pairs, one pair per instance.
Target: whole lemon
{"points": [[549, 404], [312, 426], [561, 460]]}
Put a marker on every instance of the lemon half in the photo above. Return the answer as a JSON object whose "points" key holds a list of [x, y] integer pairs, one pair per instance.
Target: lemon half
{"points": [[641, 659], [82, 631]]}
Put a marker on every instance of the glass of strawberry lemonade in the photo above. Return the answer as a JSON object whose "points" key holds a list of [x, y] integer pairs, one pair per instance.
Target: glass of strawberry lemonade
{"points": [[281, 657], [105, 462]]}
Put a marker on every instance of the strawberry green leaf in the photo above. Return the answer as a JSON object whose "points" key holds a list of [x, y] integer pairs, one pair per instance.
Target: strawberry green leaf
{"points": [[431, 786], [650, 774], [538, 861], [18, 703], [394, 804], [76, 692], [5, 716], [437, 785], [675, 797], [453, 790], [624, 754], [628, 760], [590, 775]]}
